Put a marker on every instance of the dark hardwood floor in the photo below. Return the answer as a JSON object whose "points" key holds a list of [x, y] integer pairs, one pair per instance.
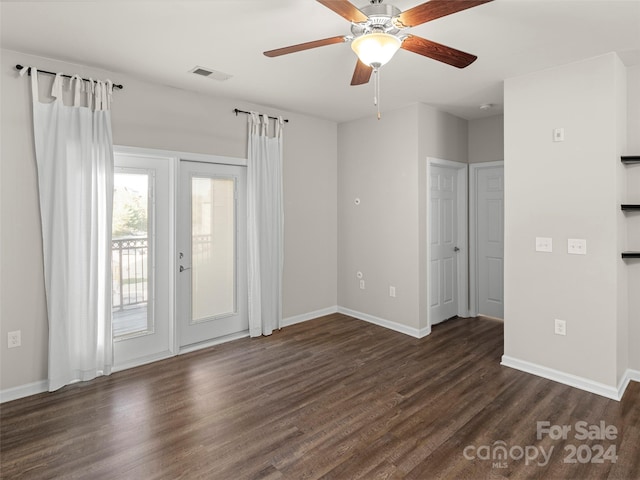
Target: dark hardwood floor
{"points": [[330, 398]]}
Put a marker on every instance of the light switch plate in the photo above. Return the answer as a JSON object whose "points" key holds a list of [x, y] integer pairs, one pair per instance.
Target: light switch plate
{"points": [[544, 244], [577, 246], [558, 134]]}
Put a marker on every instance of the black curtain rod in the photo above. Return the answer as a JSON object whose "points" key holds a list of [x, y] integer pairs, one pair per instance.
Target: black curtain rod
{"points": [[244, 111], [20, 67]]}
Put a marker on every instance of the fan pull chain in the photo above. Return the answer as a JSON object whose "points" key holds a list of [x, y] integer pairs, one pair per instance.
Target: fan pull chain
{"points": [[376, 87]]}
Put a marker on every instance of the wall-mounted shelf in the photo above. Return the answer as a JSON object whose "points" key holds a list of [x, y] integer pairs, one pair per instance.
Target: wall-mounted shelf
{"points": [[630, 207]]}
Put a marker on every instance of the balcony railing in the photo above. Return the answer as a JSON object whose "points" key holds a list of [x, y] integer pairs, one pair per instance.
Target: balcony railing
{"points": [[130, 270]]}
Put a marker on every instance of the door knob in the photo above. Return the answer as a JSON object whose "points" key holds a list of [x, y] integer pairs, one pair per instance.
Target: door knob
{"points": [[183, 268], [456, 249]]}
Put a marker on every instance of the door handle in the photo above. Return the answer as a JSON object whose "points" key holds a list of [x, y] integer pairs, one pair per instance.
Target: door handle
{"points": [[183, 268], [456, 249]]}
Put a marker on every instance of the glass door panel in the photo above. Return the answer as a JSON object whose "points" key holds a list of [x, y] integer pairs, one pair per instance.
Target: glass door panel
{"points": [[213, 247], [131, 253], [211, 270]]}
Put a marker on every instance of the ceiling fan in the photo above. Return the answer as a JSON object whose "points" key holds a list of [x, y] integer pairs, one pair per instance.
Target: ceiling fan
{"points": [[378, 31]]}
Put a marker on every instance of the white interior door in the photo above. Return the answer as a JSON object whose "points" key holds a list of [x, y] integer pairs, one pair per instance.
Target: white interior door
{"points": [[443, 235], [489, 240], [212, 286], [142, 259]]}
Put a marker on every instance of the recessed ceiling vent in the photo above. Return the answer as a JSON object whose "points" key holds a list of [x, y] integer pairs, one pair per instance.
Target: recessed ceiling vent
{"points": [[210, 73]]}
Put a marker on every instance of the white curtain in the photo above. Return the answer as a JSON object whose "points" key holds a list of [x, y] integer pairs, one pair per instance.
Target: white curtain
{"points": [[265, 227], [74, 155]]}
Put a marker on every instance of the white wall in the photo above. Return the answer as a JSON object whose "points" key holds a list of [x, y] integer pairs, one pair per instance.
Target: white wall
{"points": [[384, 164], [156, 116], [486, 139], [564, 190]]}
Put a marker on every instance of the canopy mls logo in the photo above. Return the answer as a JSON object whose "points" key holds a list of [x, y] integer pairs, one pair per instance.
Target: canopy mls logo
{"points": [[499, 453]]}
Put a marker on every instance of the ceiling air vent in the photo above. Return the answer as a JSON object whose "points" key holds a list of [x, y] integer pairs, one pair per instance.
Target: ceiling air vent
{"points": [[210, 73]]}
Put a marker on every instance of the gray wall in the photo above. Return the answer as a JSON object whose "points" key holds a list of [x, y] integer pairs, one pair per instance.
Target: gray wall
{"points": [[156, 116], [444, 136], [486, 139], [564, 190], [378, 163], [633, 220], [384, 164]]}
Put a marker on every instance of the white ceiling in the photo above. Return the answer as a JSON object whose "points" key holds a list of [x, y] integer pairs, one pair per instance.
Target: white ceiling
{"points": [[162, 40]]}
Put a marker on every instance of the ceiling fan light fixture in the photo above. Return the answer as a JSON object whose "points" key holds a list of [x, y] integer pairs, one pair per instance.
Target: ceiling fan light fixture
{"points": [[375, 49]]}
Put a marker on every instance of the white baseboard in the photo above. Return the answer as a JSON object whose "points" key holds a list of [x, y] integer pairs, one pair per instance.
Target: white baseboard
{"points": [[286, 322], [211, 343], [608, 391], [22, 391], [397, 327], [629, 376], [143, 361], [634, 375]]}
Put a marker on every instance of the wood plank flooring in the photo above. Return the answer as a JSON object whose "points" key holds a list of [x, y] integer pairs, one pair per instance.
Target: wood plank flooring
{"points": [[332, 398]]}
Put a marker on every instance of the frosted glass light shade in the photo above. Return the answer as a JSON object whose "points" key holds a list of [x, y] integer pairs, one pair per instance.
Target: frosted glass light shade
{"points": [[376, 49]]}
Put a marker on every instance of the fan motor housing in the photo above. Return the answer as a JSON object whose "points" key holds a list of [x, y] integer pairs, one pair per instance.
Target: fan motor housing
{"points": [[380, 19], [380, 10]]}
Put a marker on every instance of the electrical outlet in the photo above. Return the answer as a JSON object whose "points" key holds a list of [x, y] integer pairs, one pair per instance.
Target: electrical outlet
{"points": [[392, 291], [560, 327], [14, 339], [544, 244], [577, 246]]}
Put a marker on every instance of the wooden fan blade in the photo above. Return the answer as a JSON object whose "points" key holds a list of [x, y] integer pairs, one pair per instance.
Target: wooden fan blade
{"points": [[304, 46], [435, 9], [345, 9], [439, 52], [362, 74]]}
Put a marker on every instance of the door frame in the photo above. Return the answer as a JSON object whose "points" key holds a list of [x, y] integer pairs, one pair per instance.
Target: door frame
{"points": [[463, 256], [473, 231]]}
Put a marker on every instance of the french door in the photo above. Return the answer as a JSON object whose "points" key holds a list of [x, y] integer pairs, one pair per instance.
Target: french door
{"points": [[141, 259], [211, 259]]}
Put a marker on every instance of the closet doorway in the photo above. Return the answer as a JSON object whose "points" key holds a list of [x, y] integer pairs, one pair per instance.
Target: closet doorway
{"points": [[486, 221], [447, 256]]}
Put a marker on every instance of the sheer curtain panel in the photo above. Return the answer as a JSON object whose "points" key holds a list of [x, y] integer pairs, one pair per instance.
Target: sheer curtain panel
{"points": [[265, 225], [74, 156]]}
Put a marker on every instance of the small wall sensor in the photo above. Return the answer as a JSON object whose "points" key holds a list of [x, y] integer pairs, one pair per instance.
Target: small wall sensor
{"points": [[357, 201]]}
